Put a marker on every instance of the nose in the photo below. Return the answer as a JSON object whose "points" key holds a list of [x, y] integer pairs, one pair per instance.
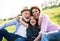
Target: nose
{"points": [[27, 15]]}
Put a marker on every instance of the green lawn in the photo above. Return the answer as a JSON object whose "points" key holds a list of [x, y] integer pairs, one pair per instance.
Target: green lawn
{"points": [[9, 28], [54, 15]]}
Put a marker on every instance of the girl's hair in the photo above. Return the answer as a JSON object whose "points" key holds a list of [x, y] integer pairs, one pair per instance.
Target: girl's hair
{"points": [[37, 23], [35, 7]]}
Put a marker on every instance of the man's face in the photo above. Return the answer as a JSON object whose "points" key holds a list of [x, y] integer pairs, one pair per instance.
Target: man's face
{"points": [[35, 13], [26, 16]]}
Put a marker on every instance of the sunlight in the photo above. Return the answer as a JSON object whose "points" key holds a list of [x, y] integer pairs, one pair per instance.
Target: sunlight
{"points": [[11, 8]]}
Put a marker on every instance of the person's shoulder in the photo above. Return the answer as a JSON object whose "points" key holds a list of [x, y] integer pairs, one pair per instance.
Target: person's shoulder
{"points": [[14, 20], [44, 15]]}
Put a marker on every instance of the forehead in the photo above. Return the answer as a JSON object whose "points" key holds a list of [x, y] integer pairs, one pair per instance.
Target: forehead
{"points": [[35, 10], [32, 17], [26, 12]]}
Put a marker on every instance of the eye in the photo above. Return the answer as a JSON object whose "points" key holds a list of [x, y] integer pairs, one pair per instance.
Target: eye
{"points": [[36, 11]]}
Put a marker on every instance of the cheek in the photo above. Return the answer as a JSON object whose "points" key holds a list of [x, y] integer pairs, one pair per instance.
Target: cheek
{"points": [[34, 14], [31, 21], [23, 16], [38, 13]]}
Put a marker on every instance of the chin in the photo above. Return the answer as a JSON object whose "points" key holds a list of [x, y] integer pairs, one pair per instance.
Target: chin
{"points": [[27, 20], [32, 24]]}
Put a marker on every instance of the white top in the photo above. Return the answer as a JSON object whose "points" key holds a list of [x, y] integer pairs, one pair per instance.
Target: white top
{"points": [[21, 31]]}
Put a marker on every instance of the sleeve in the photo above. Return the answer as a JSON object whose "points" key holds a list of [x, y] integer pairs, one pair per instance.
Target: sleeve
{"points": [[13, 22], [44, 24]]}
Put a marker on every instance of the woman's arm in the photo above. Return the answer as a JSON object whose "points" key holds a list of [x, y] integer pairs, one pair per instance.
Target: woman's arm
{"points": [[21, 21], [43, 22]]}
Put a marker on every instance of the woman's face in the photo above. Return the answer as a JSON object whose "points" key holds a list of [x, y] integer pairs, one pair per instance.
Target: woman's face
{"points": [[32, 21], [36, 13]]}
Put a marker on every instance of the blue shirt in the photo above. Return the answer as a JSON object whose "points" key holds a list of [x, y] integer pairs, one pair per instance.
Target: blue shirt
{"points": [[18, 27]]}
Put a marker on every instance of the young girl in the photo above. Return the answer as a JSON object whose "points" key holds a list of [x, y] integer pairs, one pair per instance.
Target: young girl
{"points": [[32, 28]]}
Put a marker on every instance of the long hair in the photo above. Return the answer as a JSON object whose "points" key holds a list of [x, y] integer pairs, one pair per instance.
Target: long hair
{"points": [[35, 7]]}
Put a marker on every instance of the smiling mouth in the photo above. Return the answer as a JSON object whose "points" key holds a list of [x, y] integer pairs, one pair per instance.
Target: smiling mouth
{"points": [[32, 22], [27, 17]]}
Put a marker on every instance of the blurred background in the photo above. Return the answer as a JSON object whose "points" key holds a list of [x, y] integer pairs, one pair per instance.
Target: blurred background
{"points": [[10, 9]]}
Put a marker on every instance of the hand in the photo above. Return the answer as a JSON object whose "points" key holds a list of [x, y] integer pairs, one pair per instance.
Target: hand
{"points": [[36, 40], [38, 37]]}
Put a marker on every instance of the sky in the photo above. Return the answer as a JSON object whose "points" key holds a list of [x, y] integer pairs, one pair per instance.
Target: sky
{"points": [[11, 8]]}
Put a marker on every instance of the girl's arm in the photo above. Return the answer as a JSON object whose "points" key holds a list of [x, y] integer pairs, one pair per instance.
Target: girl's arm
{"points": [[21, 21]]}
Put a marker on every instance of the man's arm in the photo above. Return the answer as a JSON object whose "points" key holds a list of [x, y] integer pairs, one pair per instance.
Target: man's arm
{"points": [[21, 21], [13, 22]]}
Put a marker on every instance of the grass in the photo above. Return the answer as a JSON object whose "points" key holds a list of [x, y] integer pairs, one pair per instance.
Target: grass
{"points": [[53, 13], [9, 28]]}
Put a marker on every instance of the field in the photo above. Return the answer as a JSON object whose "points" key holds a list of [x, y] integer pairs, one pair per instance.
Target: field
{"points": [[53, 13]]}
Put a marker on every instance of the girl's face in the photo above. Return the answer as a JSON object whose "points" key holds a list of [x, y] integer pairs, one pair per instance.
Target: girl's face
{"points": [[35, 13], [32, 21]]}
